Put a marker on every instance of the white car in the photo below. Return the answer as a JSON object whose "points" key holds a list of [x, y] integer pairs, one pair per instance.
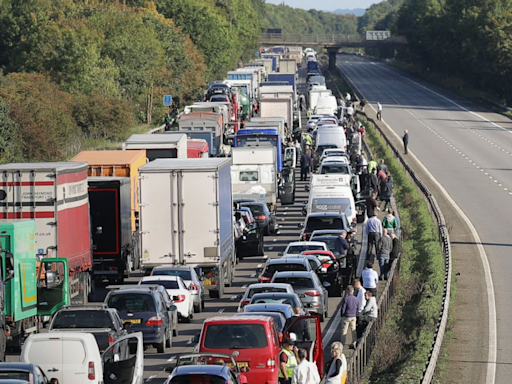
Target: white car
{"points": [[262, 288], [177, 289], [297, 247], [313, 120], [331, 152]]}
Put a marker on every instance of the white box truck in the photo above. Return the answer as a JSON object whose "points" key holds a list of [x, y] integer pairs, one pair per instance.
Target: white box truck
{"points": [[254, 174], [159, 146], [315, 94], [186, 218]]}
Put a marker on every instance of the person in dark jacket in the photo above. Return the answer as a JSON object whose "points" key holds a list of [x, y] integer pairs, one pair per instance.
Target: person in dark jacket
{"points": [[396, 248], [373, 182], [305, 164], [349, 306], [371, 205], [405, 139], [386, 191]]}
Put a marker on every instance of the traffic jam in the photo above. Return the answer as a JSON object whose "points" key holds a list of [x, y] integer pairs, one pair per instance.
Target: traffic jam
{"points": [[207, 253]]}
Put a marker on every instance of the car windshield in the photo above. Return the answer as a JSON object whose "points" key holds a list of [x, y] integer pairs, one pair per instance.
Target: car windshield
{"points": [[82, 319], [334, 153], [274, 299], [296, 282], [275, 315], [235, 336], [332, 168], [321, 148], [273, 268], [248, 176], [254, 291], [198, 378], [184, 274], [256, 209], [298, 249], [14, 375], [168, 284], [132, 302], [328, 240], [324, 223]]}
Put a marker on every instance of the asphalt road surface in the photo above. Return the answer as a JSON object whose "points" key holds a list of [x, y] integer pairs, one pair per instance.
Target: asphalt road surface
{"points": [[468, 150]]}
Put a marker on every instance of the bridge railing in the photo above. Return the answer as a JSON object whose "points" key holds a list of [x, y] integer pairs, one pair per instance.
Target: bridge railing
{"points": [[278, 38]]}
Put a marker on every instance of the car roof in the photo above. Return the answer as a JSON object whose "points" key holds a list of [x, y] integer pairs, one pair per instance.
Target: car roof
{"points": [[160, 277], [326, 232], [269, 306], [305, 243], [294, 274], [211, 369], [98, 307], [238, 319], [280, 294], [284, 261], [262, 313], [17, 366], [312, 253], [172, 267], [326, 214], [270, 285]]}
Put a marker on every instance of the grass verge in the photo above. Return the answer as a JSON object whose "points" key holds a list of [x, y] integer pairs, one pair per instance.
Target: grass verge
{"points": [[404, 343]]}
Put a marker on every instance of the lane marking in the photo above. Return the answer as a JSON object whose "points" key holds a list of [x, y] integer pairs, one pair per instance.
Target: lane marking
{"points": [[329, 332], [220, 310], [172, 358], [150, 378]]}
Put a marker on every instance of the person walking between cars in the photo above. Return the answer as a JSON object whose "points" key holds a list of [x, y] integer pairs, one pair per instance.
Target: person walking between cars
{"points": [[306, 372], [370, 278], [336, 368], [341, 245], [379, 111], [374, 232], [373, 183], [405, 139], [287, 361], [371, 204], [386, 191], [305, 164], [389, 222], [349, 307], [360, 294], [384, 248], [369, 314]]}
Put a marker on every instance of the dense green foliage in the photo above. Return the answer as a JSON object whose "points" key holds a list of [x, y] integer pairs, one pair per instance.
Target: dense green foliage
{"points": [[299, 21]]}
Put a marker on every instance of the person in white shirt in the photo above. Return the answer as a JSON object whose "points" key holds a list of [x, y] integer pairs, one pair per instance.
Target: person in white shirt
{"points": [[360, 295], [306, 372], [370, 278], [379, 111], [369, 314]]}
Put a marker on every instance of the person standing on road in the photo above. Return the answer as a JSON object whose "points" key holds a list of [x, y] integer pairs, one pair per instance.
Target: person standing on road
{"points": [[302, 102], [299, 327], [389, 222], [370, 279], [384, 248], [362, 103], [349, 308], [373, 183], [305, 164], [287, 361], [371, 204], [405, 139], [341, 245], [337, 368], [374, 232], [386, 191], [306, 372], [360, 294], [382, 166], [309, 113], [348, 97], [372, 164], [394, 251], [354, 159], [369, 314], [379, 111]]}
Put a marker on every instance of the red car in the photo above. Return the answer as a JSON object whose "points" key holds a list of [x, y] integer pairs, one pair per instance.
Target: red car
{"points": [[331, 271]]}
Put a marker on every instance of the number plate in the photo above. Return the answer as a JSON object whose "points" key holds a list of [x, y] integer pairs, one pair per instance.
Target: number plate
{"points": [[207, 282], [241, 364], [133, 321]]}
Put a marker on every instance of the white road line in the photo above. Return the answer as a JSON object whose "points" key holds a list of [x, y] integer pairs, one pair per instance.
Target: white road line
{"points": [[259, 266], [150, 378], [233, 298], [329, 332], [220, 310], [253, 275], [172, 358]]}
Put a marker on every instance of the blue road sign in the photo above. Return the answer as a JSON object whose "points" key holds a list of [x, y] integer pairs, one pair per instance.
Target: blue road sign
{"points": [[167, 100]]}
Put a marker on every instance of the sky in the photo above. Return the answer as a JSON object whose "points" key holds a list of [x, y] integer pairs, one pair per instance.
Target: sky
{"points": [[326, 5]]}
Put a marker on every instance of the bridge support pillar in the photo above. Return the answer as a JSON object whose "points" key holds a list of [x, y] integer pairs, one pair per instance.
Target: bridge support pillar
{"points": [[332, 59]]}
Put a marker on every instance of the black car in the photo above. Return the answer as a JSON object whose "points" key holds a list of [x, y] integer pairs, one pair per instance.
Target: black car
{"points": [[145, 309], [251, 242], [324, 220], [264, 218], [24, 372], [330, 270], [104, 323], [279, 265]]}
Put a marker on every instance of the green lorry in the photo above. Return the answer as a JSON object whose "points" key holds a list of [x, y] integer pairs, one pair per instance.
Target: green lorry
{"points": [[30, 289]]}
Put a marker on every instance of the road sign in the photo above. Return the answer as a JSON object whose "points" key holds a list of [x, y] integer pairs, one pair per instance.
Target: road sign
{"points": [[377, 35], [167, 100]]}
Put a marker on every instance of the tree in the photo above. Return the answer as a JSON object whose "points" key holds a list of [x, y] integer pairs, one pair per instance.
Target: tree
{"points": [[9, 131]]}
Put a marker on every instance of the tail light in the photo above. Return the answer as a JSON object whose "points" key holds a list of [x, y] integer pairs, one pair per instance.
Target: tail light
{"points": [[154, 320], [264, 279], [193, 287], [312, 293], [111, 340], [90, 371], [244, 303], [271, 363], [304, 235], [261, 217], [179, 298]]}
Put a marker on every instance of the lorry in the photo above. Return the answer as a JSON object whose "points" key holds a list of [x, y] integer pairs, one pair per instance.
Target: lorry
{"points": [[208, 122], [55, 195], [262, 137], [24, 293], [289, 77], [312, 66], [224, 109], [268, 122], [287, 66], [315, 94], [159, 146], [278, 107], [296, 54], [207, 136], [267, 63], [275, 57], [197, 148], [253, 174], [186, 218]]}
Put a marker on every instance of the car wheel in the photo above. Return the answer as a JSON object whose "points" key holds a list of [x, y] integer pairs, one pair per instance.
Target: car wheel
{"points": [[168, 341], [322, 318], [197, 308], [175, 332], [267, 230], [202, 304], [214, 294], [160, 347]]}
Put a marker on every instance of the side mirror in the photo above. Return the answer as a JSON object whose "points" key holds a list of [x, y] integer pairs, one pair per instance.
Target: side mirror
{"points": [[117, 358], [280, 254], [99, 230], [173, 308], [54, 380], [300, 225], [259, 270], [322, 270], [195, 339]]}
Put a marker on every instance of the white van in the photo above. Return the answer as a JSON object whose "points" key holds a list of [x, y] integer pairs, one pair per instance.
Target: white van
{"points": [[331, 134], [74, 357], [326, 103], [332, 199]]}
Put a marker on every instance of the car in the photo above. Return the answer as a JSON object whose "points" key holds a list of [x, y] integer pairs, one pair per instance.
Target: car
{"points": [[310, 289], [254, 337], [326, 121], [324, 220], [241, 200], [219, 99], [265, 219], [335, 166], [337, 159], [145, 309], [314, 263], [332, 152], [262, 288], [297, 247], [327, 236], [274, 265], [285, 309], [329, 271], [177, 290], [319, 150], [278, 317], [310, 75], [192, 281], [313, 120], [25, 372], [292, 299], [102, 322]]}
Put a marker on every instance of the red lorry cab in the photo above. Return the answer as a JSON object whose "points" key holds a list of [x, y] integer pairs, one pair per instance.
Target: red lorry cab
{"points": [[197, 148]]}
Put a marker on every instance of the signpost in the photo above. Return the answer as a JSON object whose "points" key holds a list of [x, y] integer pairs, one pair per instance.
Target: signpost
{"points": [[167, 100], [378, 35]]}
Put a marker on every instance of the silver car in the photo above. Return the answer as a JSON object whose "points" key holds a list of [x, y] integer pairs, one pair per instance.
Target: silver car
{"points": [[189, 277], [311, 291]]}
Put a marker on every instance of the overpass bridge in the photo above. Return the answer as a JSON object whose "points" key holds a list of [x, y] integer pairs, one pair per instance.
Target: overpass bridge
{"points": [[331, 42]]}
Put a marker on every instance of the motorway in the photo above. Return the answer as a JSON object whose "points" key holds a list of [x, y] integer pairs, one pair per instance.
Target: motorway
{"points": [[468, 151]]}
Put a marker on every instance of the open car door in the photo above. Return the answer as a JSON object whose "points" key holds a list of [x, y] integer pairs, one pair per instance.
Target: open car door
{"points": [[123, 361], [308, 335], [290, 157], [287, 186], [52, 285]]}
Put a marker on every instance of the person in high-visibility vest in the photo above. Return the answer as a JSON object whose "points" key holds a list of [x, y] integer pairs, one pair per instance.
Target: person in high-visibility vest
{"points": [[288, 360], [337, 367]]}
